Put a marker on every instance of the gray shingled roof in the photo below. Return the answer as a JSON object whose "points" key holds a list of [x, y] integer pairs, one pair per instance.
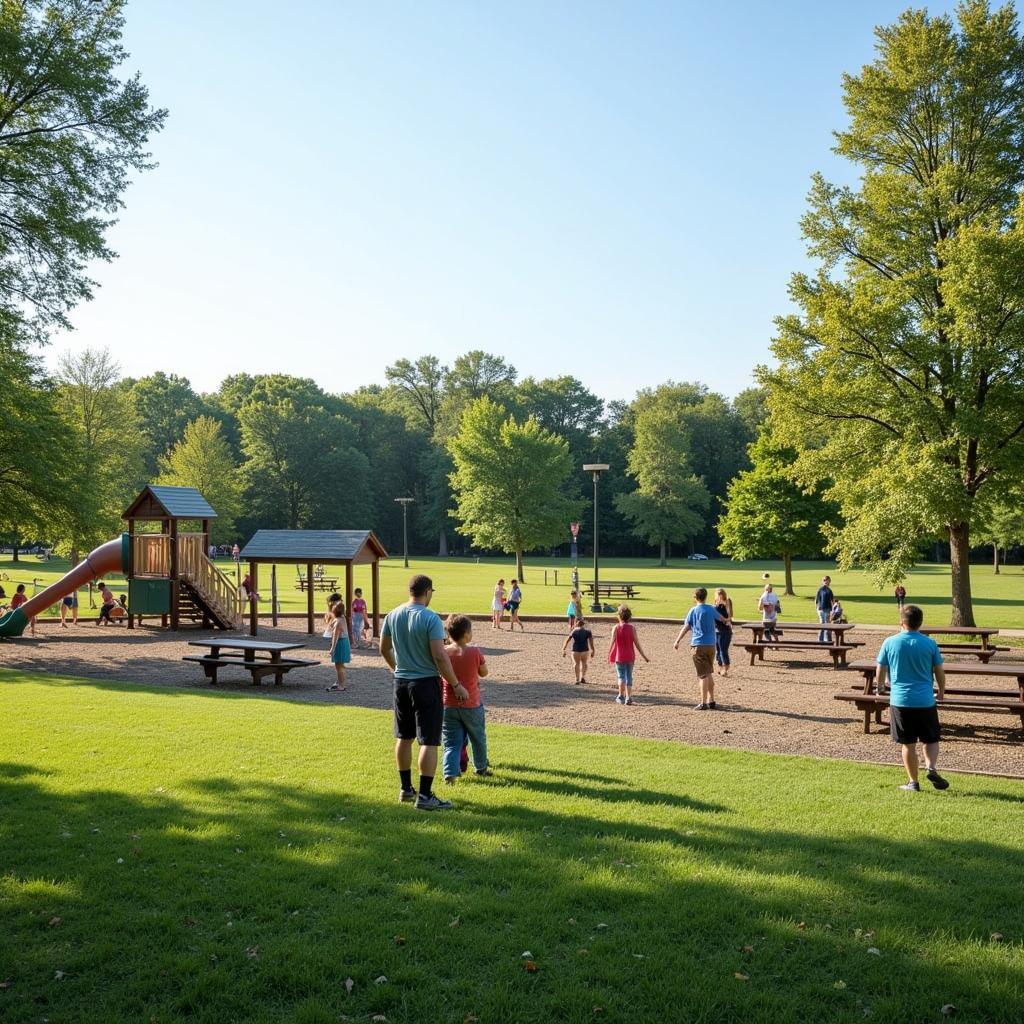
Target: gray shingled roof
{"points": [[307, 545], [183, 502]]}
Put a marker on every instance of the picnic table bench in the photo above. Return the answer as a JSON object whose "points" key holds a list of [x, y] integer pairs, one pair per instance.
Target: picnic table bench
{"points": [[613, 588], [246, 654], [838, 648], [984, 701], [984, 650], [319, 583]]}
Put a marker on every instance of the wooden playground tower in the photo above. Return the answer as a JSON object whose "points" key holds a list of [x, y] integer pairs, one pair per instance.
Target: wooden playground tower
{"points": [[169, 572]]}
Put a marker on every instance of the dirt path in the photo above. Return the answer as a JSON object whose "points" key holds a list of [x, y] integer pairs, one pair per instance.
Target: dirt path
{"points": [[776, 706]]}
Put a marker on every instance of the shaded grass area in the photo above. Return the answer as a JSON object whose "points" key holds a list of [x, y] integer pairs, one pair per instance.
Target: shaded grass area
{"points": [[466, 585], [172, 855]]}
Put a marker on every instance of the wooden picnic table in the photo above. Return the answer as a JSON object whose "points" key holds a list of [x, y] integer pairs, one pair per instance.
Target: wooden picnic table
{"points": [[319, 583], [756, 626], [258, 657], [613, 588], [869, 670], [983, 651], [838, 648]]}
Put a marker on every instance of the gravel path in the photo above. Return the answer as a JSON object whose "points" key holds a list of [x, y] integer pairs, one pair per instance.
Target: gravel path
{"points": [[776, 706]]}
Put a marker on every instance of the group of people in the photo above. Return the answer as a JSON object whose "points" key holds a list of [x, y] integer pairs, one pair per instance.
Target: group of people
{"points": [[509, 602]]}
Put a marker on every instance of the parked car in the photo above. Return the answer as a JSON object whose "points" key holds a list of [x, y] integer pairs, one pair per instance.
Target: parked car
{"points": [[697, 558]]}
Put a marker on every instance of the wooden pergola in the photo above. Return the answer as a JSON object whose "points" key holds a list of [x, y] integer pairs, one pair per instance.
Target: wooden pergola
{"points": [[311, 548]]}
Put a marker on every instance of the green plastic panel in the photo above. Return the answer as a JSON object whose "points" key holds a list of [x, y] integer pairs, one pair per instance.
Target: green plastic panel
{"points": [[149, 597]]}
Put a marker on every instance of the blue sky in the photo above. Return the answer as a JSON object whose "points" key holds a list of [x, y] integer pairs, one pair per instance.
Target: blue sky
{"points": [[610, 190]]}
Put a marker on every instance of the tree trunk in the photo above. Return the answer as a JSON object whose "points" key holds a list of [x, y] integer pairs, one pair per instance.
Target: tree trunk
{"points": [[995, 559], [938, 551], [959, 553], [442, 544], [73, 556], [519, 564], [664, 553], [787, 560]]}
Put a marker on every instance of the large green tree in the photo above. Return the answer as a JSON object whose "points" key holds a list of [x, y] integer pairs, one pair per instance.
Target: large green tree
{"points": [[165, 404], [670, 501], [73, 129], [899, 378], [509, 481], [202, 459], [767, 515]]}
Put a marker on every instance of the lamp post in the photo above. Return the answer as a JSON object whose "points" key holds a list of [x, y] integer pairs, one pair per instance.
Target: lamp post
{"points": [[596, 469], [404, 502]]}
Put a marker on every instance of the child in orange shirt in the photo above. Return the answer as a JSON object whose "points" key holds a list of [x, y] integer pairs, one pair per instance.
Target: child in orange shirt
{"points": [[463, 719]]}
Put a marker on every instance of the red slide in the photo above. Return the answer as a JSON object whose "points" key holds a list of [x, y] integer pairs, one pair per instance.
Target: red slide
{"points": [[106, 559]]}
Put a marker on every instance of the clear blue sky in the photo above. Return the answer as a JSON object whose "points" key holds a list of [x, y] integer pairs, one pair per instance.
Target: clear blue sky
{"points": [[610, 190]]}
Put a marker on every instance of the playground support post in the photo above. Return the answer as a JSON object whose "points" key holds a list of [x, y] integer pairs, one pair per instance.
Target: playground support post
{"points": [[596, 468], [273, 594]]}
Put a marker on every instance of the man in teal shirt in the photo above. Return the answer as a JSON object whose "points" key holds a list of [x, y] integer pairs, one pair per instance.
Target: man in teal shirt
{"points": [[909, 660], [412, 643]]}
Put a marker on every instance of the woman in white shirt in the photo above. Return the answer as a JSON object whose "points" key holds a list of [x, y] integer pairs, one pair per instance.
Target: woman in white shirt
{"points": [[769, 606]]}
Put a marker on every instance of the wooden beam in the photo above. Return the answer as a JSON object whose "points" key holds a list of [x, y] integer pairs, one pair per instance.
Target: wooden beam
{"points": [[175, 622], [309, 598], [273, 594], [254, 612], [376, 598], [348, 596]]}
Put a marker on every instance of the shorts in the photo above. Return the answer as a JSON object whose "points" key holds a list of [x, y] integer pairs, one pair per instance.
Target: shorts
{"points": [[624, 671], [419, 710], [703, 660], [912, 725], [512, 606], [70, 601], [342, 651]]}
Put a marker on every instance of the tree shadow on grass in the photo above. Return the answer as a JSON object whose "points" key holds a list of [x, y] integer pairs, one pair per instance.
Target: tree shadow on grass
{"points": [[217, 899]]}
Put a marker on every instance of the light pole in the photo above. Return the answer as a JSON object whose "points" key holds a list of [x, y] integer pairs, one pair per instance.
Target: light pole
{"points": [[404, 502], [596, 469]]}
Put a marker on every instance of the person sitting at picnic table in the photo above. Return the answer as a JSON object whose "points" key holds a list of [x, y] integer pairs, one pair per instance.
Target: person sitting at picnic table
{"points": [[769, 606], [823, 604], [909, 660]]}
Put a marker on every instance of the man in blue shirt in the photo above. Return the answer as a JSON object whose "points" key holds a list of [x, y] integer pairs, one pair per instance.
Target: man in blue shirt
{"points": [[700, 620], [909, 660], [412, 643], [823, 602]]}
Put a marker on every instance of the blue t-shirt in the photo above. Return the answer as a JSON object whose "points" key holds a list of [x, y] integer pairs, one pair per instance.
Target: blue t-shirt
{"points": [[411, 628], [910, 657], [701, 619]]}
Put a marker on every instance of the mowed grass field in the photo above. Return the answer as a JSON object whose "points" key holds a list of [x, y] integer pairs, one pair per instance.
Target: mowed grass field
{"points": [[466, 585], [184, 855]]}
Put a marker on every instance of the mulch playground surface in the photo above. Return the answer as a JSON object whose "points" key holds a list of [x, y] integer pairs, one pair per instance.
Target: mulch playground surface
{"points": [[777, 706]]}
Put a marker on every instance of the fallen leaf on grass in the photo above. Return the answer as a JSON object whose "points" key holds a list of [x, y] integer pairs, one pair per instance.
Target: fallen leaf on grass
{"points": [[639, 956], [740, 976], [120, 860], [5, 984], [455, 922], [597, 1010], [874, 951], [839, 984], [746, 949], [996, 937], [59, 975], [349, 984], [572, 920], [399, 940], [602, 926], [584, 952], [54, 921], [379, 1018], [470, 1018], [531, 967], [802, 925], [380, 981], [252, 952], [526, 955], [948, 1010]]}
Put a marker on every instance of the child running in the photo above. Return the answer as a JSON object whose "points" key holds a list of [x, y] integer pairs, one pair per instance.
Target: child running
{"points": [[701, 619], [463, 719], [582, 641], [358, 618], [341, 649], [622, 652]]}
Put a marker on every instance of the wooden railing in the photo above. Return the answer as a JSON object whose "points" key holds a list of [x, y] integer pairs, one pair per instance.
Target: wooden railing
{"points": [[217, 588], [151, 554]]}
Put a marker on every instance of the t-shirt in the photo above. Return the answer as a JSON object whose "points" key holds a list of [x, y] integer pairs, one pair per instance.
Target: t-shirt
{"points": [[823, 600], [772, 602], [701, 619], [516, 596], [910, 656], [107, 596], [466, 662], [722, 626], [411, 628], [571, 610], [18, 600], [581, 639], [358, 606]]}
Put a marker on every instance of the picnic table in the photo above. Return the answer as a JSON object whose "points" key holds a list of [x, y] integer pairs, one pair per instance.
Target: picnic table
{"points": [[967, 699], [258, 657], [838, 648], [984, 651], [319, 583], [613, 588]]}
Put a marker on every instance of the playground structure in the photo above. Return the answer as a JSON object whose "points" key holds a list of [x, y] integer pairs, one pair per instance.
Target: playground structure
{"points": [[168, 573]]}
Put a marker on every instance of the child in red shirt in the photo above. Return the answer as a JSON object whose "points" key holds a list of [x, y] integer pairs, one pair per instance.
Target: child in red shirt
{"points": [[463, 719]]}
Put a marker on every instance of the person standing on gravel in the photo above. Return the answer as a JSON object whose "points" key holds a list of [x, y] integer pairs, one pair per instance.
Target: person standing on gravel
{"points": [[412, 644], [823, 603]]}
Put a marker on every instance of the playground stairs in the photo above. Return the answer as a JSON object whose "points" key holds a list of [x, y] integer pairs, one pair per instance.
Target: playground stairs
{"points": [[207, 596]]}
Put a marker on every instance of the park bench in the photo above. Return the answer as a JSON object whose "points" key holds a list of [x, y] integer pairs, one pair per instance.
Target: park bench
{"points": [[613, 588], [246, 654], [983, 650], [979, 651], [838, 651]]}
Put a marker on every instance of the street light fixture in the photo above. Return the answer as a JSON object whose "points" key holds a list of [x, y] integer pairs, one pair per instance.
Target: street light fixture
{"points": [[404, 502], [596, 469]]}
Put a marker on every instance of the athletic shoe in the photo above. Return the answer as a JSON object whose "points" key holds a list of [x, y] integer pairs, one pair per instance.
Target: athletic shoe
{"points": [[712, 705], [450, 780], [912, 787], [406, 796], [629, 700], [432, 803], [937, 780], [700, 707], [483, 772], [620, 699]]}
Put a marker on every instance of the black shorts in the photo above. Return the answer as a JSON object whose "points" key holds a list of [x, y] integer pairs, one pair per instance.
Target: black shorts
{"points": [[419, 710], [913, 725]]}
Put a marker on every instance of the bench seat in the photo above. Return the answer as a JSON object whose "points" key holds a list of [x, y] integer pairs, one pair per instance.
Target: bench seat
{"points": [[838, 651], [256, 668], [983, 653], [869, 703]]}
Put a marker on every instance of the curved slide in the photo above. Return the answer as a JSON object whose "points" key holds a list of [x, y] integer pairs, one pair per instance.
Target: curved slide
{"points": [[104, 560]]}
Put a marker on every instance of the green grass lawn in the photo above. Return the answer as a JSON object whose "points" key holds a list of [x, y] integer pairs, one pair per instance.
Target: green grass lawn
{"points": [[183, 855], [465, 585]]}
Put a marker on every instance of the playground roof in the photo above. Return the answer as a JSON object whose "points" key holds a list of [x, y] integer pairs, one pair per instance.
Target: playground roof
{"points": [[320, 547], [170, 503]]}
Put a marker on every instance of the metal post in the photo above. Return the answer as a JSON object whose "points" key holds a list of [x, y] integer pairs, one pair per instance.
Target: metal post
{"points": [[404, 502], [597, 468]]}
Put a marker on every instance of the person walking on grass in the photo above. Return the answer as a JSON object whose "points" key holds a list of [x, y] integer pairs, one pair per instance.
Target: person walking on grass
{"points": [[823, 605], [901, 596], [582, 641], [701, 620], [341, 649], [769, 605], [498, 604], [515, 599], [412, 644], [622, 652], [909, 660], [723, 632], [464, 716]]}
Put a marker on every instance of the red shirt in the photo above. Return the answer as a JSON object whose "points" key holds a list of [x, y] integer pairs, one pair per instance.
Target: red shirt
{"points": [[466, 662], [358, 606], [18, 600], [622, 651]]}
